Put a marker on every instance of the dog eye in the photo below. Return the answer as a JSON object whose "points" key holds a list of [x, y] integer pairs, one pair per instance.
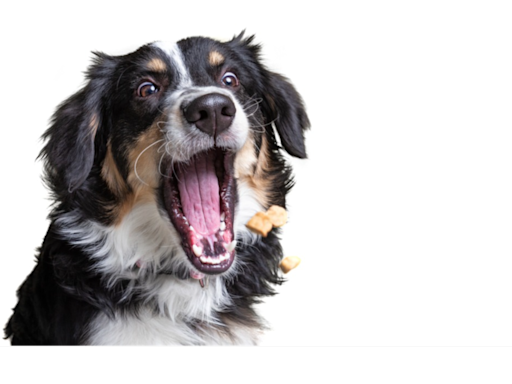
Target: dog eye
{"points": [[147, 89], [230, 80]]}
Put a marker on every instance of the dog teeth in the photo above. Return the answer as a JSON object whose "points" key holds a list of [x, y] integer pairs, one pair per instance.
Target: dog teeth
{"points": [[222, 216], [214, 260], [222, 225], [210, 260], [198, 251], [204, 259], [231, 246]]}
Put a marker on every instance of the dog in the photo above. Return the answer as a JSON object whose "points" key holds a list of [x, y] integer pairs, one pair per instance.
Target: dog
{"points": [[154, 167]]}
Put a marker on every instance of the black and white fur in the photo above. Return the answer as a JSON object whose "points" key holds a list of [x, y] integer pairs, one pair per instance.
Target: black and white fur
{"points": [[113, 269]]}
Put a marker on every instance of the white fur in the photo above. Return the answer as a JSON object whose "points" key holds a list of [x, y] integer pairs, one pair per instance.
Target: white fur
{"points": [[174, 53], [148, 329]]}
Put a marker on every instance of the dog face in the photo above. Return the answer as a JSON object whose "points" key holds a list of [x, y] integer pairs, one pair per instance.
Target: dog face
{"points": [[174, 146]]}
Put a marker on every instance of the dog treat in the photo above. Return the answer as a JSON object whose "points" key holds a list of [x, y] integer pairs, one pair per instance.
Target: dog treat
{"points": [[277, 215], [263, 222], [260, 224], [289, 263]]}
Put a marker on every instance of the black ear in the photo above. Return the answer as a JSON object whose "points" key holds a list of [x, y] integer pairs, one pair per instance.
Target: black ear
{"points": [[69, 150], [283, 106]]}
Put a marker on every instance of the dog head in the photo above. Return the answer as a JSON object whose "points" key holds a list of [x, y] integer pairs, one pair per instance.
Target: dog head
{"points": [[180, 134]]}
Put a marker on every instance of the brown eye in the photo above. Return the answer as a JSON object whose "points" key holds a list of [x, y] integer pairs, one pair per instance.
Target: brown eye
{"points": [[147, 89], [230, 80]]}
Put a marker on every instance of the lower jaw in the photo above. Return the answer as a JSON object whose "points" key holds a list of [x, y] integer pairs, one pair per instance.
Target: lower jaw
{"points": [[211, 269], [210, 254]]}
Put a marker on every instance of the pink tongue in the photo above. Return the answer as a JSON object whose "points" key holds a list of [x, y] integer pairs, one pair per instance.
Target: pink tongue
{"points": [[199, 191]]}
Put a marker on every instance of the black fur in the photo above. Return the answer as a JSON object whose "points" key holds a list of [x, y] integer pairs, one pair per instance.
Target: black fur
{"points": [[64, 292]]}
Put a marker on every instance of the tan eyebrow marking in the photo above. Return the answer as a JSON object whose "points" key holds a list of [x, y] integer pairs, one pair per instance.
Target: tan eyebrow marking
{"points": [[156, 65], [215, 58]]}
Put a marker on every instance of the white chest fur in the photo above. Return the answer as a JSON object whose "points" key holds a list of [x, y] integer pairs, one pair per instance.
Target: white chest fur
{"points": [[149, 329], [182, 314]]}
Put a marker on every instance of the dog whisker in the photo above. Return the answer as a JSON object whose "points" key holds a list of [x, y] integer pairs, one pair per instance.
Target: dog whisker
{"points": [[260, 128], [160, 166], [254, 128], [255, 103], [159, 150], [158, 125], [138, 157]]}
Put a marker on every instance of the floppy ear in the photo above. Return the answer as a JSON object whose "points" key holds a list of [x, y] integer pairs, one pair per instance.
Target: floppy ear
{"points": [[69, 151], [283, 106]]}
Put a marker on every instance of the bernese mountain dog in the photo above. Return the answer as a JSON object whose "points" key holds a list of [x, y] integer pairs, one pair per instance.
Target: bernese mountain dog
{"points": [[154, 167]]}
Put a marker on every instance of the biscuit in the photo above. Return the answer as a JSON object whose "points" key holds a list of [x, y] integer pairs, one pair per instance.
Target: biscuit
{"points": [[289, 263], [277, 215], [260, 224]]}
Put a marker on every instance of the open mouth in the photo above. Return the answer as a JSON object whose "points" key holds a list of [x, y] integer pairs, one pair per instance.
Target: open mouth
{"points": [[199, 196]]}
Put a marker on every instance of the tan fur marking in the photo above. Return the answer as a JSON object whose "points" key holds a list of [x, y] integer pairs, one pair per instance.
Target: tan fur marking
{"points": [[246, 159], [256, 178], [263, 164], [143, 160], [111, 174], [215, 58], [156, 65], [142, 183]]}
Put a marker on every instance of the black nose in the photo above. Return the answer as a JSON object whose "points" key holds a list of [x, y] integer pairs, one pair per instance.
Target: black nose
{"points": [[212, 113]]}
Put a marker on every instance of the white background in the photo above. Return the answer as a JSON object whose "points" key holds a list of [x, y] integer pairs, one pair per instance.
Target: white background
{"points": [[402, 215]]}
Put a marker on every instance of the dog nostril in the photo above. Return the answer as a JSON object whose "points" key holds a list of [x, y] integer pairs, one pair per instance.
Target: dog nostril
{"points": [[203, 115], [212, 113], [229, 110]]}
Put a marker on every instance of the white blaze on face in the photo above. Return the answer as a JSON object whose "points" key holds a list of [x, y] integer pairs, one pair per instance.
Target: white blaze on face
{"points": [[174, 52], [183, 139]]}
